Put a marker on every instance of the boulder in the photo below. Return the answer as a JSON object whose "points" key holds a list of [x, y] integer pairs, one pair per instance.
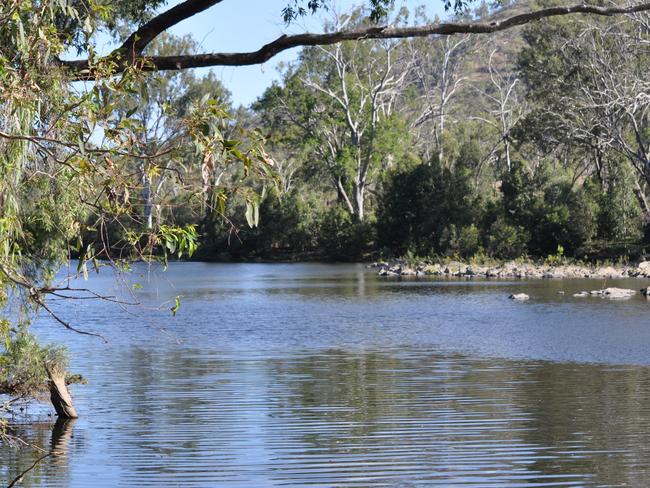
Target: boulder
{"points": [[519, 297], [455, 268], [643, 268], [646, 292], [480, 270], [581, 294], [387, 272], [608, 272], [615, 293], [432, 269]]}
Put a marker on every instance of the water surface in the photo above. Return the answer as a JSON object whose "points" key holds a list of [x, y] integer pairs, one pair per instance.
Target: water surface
{"points": [[326, 375]]}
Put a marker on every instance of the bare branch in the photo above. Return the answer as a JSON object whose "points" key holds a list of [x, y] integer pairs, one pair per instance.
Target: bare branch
{"points": [[82, 69], [65, 324], [141, 38]]}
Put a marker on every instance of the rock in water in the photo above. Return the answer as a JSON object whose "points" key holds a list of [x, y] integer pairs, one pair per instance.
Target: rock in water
{"points": [[615, 293], [646, 292], [519, 296]]}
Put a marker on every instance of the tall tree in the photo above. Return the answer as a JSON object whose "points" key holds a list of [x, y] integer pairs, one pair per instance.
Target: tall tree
{"points": [[438, 78], [588, 81], [343, 100], [66, 166]]}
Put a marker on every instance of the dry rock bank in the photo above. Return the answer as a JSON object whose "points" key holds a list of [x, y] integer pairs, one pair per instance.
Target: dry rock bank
{"points": [[511, 270]]}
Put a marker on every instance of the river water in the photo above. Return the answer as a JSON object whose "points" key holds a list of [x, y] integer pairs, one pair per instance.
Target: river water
{"points": [[327, 375]]}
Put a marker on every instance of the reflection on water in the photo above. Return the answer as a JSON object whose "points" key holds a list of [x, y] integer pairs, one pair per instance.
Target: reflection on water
{"points": [[327, 376], [342, 419], [46, 456]]}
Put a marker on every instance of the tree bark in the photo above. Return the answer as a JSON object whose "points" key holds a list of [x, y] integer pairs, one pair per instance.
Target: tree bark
{"points": [[359, 200], [59, 394], [147, 196], [643, 201]]}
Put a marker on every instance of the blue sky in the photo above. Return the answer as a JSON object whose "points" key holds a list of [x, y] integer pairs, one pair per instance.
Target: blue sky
{"points": [[238, 25]]}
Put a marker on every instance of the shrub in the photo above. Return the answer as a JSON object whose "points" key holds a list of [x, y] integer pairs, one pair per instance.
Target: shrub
{"points": [[507, 241], [342, 238], [422, 208]]}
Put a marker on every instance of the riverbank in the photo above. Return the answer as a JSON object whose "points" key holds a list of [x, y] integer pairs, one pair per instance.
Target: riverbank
{"points": [[511, 270]]}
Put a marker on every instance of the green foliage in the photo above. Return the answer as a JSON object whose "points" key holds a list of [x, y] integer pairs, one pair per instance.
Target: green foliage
{"points": [[521, 195], [621, 217], [179, 240], [469, 241], [342, 238], [568, 220], [421, 208], [22, 364], [556, 259], [506, 241], [93, 171], [293, 227], [289, 224]]}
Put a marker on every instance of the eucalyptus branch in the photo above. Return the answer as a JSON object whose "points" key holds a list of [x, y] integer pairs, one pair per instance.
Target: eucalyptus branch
{"points": [[130, 53], [65, 324]]}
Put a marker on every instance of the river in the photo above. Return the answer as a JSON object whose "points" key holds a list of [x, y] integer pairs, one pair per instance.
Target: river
{"points": [[327, 375]]}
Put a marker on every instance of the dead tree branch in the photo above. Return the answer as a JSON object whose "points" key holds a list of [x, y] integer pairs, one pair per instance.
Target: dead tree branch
{"points": [[130, 53]]}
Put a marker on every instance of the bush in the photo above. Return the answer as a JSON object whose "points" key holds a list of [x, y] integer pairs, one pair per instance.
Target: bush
{"points": [[422, 208], [22, 364], [507, 241], [568, 219], [469, 241], [341, 238], [621, 217], [286, 223]]}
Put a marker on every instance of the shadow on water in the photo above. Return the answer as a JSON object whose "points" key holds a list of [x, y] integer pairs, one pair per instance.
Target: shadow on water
{"points": [[351, 419]]}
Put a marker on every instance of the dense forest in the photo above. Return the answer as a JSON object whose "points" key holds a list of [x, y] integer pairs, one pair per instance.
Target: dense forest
{"points": [[525, 143]]}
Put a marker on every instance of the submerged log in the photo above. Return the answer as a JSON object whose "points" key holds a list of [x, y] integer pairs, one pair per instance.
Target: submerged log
{"points": [[59, 394]]}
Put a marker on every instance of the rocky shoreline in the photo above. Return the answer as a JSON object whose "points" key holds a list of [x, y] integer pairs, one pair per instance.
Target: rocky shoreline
{"points": [[511, 270]]}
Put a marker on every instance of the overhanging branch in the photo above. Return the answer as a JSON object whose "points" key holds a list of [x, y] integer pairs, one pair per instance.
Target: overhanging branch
{"points": [[82, 69], [141, 38]]}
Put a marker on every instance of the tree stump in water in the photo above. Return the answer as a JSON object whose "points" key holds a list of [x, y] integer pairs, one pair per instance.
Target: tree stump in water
{"points": [[59, 394]]}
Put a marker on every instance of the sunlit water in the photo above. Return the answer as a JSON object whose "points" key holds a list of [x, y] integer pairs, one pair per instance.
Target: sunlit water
{"points": [[326, 375]]}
